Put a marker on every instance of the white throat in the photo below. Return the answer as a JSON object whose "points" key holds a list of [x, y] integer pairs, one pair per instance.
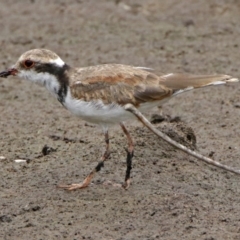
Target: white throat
{"points": [[45, 79]]}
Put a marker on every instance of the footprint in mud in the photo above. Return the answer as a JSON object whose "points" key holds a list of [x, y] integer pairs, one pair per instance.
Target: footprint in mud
{"points": [[176, 129]]}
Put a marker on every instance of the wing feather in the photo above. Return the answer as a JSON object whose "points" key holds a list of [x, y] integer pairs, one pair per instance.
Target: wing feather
{"points": [[119, 84], [122, 84]]}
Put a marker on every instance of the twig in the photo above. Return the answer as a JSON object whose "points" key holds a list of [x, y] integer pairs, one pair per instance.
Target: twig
{"points": [[144, 120]]}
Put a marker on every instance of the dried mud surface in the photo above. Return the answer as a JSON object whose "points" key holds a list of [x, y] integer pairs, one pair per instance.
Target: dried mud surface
{"points": [[172, 195]]}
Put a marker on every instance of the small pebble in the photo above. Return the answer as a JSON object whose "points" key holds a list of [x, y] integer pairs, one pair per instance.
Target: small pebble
{"points": [[20, 161], [47, 150], [2, 158]]}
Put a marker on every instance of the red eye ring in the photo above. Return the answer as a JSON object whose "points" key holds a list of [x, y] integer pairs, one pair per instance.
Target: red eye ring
{"points": [[28, 63]]}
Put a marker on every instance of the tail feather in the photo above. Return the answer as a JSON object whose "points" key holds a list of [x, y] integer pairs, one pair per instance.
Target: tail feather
{"points": [[179, 83]]}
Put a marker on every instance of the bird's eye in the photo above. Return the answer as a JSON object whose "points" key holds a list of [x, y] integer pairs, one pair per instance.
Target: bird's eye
{"points": [[28, 63]]}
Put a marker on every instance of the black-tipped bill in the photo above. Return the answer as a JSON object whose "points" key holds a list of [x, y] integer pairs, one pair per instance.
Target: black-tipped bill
{"points": [[7, 73]]}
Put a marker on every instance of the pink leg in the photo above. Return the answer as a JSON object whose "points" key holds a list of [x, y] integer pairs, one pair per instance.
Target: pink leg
{"points": [[90, 176]]}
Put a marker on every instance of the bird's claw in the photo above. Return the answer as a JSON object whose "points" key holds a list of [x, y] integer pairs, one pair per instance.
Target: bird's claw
{"points": [[73, 186]]}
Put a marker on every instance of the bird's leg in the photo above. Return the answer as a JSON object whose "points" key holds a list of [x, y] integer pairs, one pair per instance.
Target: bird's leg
{"points": [[129, 151], [144, 120], [90, 176]]}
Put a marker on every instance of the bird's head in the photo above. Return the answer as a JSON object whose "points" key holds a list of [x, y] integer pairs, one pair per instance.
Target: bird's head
{"points": [[41, 66]]}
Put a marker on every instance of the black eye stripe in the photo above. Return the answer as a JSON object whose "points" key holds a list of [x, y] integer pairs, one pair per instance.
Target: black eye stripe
{"points": [[59, 73]]}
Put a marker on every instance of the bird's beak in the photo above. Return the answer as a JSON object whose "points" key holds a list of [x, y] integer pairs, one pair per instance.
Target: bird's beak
{"points": [[11, 71]]}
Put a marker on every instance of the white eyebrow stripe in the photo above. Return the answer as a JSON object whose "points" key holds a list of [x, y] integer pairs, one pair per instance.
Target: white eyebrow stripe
{"points": [[58, 61]]}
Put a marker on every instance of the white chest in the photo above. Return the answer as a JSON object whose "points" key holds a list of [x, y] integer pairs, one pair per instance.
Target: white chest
{"points": [[96, 111]]}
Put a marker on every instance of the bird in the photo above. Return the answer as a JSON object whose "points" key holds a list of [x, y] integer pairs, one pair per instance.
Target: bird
{"points": [[98, 94]]}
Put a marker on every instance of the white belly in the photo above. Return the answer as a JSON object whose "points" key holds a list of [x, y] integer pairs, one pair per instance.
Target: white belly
{"points": [[99, 113]]}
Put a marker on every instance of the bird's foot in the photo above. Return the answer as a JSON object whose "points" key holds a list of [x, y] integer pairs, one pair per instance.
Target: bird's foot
{"points": [[110, 183], [125, 185], [73, 186], [87, 181], [81, 185]]}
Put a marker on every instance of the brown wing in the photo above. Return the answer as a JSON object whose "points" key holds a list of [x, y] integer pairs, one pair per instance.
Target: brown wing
{"points": [[117, 83]]}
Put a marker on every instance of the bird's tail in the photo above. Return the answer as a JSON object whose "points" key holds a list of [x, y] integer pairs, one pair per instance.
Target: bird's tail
{"points": [[183, 82]]}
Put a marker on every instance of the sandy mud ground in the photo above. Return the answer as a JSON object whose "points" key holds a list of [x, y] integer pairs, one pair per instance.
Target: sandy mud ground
{"points": [[172, 195]]}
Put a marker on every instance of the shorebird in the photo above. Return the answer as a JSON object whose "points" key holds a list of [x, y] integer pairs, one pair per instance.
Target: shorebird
{"points": [[98, 94]]}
